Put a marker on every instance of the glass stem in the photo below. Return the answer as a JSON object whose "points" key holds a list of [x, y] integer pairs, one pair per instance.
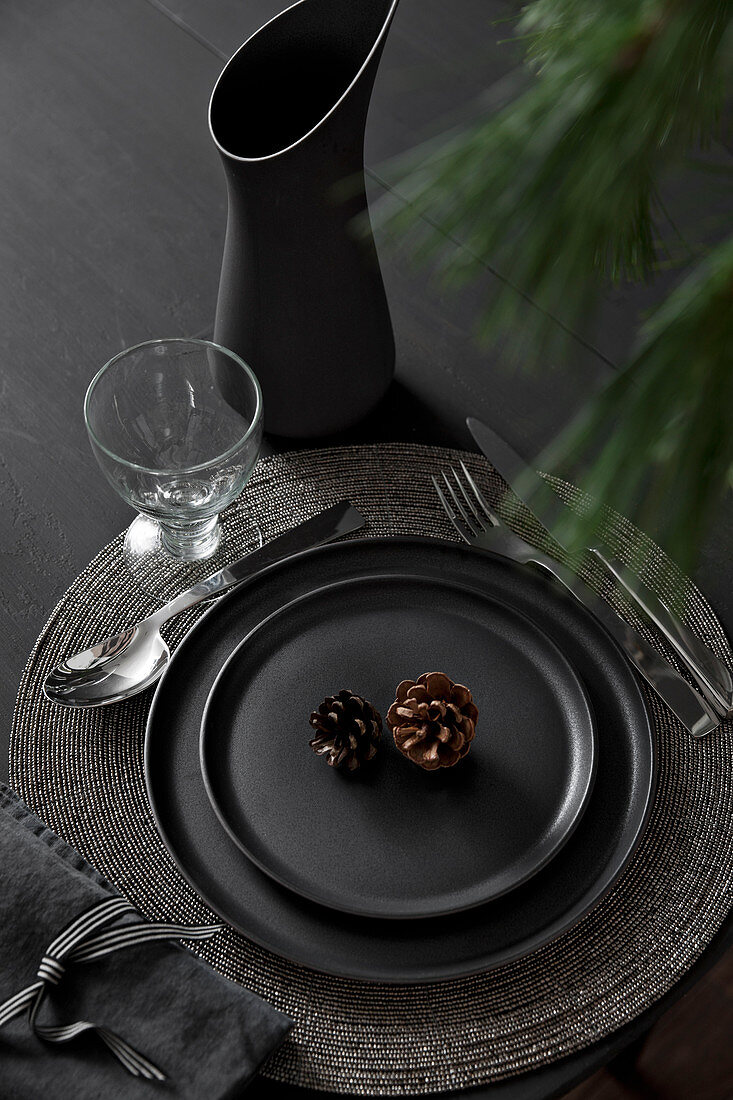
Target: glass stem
{"points": [[191, 541]]}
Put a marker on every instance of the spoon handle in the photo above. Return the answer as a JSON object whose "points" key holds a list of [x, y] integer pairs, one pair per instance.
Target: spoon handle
{"points": [[339, 519]]}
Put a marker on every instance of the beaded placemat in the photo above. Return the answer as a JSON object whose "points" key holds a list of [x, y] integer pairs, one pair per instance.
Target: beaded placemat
{"points": [[82, 772]]}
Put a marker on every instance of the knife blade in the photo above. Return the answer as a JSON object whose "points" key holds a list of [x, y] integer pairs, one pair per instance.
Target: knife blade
{"points": [[711, 675]]}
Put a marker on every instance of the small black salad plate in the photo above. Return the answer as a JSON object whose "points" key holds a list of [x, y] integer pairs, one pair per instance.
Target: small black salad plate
{"points": [[393, 840]]}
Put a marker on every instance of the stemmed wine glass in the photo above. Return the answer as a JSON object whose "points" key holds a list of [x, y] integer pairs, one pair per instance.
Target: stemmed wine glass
{"points": [[176, 427]]}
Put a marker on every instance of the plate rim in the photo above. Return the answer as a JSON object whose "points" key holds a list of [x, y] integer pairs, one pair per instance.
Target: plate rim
{"points": [[449, 972], [589, 746]]}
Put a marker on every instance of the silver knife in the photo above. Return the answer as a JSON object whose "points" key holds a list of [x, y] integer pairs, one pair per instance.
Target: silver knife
{"points": [[711, 675]]}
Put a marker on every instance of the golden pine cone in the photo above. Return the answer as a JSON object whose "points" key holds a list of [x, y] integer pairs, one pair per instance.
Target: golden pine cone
{"points": [[433, 720], [348, 730]]}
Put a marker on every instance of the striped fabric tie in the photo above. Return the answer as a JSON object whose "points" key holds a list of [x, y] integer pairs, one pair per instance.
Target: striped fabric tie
{"points": [[81, 941]]}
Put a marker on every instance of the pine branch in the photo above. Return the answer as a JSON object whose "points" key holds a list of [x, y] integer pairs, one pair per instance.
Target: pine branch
{"points": [[669, 457], [558, 190]]}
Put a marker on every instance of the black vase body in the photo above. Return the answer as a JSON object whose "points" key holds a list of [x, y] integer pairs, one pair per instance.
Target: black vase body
{"points": [[301, 296]]}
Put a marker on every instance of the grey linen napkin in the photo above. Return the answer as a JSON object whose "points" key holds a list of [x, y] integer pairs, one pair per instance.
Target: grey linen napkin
{"points": [[205, 1033]]}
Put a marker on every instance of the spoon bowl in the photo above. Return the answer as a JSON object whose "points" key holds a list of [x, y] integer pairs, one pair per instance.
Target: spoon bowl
{"points": [[111, 670]]}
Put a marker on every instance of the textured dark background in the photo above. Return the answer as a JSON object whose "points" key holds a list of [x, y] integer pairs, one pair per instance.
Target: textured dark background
{"points": [[112, 215]]}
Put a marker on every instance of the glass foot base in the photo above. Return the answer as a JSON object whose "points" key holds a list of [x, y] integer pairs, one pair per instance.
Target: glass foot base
{"points": [[165, 567]]}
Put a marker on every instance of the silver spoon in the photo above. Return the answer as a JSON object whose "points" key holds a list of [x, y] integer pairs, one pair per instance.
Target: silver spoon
{"points": [[127, 663]]}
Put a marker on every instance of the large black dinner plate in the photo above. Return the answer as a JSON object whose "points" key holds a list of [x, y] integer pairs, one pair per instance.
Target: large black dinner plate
{"points": [[393, 840], [401, 951]]}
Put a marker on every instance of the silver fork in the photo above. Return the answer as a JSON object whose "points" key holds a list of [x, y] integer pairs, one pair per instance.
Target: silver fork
{"points": [[478, 525]]}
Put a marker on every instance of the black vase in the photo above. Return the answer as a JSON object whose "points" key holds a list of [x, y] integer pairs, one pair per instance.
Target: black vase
{"points": [[301, 296]]}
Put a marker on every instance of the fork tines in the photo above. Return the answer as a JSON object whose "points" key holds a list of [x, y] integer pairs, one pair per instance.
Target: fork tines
{"points": [[469, 513]]}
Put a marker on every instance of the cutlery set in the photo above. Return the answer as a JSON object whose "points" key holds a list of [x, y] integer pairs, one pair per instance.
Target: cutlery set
{"points": [[711, 675], [125, 664], [479, 526]]}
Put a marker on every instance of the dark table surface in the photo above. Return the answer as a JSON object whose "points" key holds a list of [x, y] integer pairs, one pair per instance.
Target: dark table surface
{"points": [[111, 230]]}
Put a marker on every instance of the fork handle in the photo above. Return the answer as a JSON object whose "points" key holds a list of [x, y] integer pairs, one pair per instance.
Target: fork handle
{"points": [[705, 668], [693, 711]]}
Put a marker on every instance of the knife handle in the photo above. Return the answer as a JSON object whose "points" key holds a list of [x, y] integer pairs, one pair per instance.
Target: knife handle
{"points": [[705, 668], [693, 711]]}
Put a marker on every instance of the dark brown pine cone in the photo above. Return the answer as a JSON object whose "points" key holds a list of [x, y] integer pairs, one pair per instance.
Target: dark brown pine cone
{"points": [[433, 720], [348, 729]]}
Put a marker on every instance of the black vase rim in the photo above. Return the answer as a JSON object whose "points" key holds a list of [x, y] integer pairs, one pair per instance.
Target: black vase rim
{"points": [[376, 44]]}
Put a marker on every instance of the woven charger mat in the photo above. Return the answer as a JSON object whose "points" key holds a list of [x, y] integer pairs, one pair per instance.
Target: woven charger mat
{"points": [[82, 772]]}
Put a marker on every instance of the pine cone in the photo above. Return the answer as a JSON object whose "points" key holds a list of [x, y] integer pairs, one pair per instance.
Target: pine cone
{"points": [[348, 729], [433, 720]]}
